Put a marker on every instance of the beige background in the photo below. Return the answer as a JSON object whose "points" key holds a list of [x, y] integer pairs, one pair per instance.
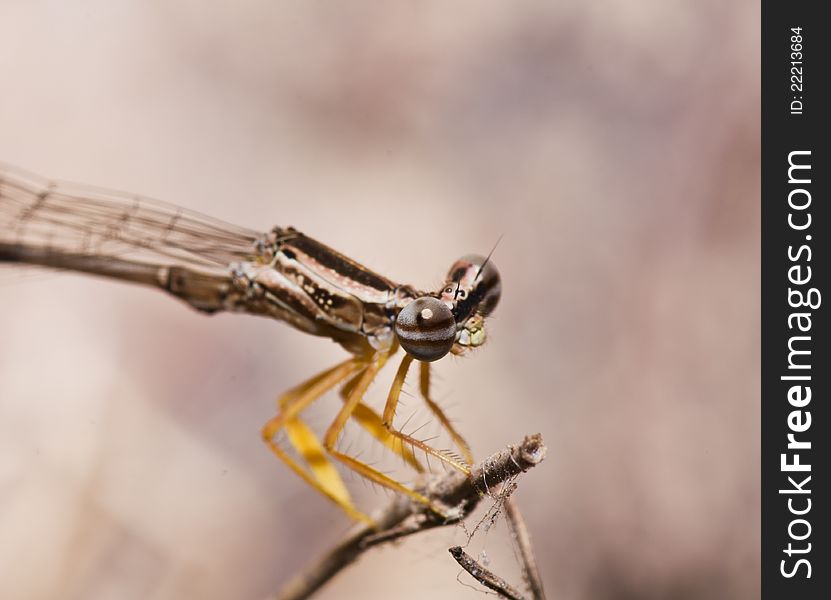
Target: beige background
{"points": [[615, 144]]}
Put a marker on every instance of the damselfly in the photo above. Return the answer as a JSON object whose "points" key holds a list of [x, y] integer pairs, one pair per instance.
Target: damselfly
{"points": [[283, 274]]}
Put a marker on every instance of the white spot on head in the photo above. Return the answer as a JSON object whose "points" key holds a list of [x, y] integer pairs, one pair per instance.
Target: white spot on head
{"points": [[426, 314]]}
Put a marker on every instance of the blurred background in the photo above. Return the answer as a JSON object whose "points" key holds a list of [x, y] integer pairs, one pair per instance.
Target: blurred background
{"points": [[614, 145]]}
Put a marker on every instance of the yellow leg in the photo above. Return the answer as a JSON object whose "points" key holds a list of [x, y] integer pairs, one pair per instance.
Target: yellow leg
{"points": [[372, 423], [330, 439], [389, 415], [424, 384], [321, 473]]}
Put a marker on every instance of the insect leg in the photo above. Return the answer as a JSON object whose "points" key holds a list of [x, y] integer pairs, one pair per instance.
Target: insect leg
{"points": [[424, 384], [372, 423], [363, 469], [389, 415], [321, 473]]}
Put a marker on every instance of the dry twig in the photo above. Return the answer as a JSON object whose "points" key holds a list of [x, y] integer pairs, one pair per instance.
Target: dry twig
{"points": [[520, 533], [457, 493], [483, 576]]}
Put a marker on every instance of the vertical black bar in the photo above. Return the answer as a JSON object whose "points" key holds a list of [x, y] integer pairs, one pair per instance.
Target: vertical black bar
{"points": [[796, 170]]}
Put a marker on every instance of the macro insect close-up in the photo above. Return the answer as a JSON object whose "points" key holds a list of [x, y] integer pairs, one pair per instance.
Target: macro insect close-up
{"points": [[295, 298], [282, 274]]}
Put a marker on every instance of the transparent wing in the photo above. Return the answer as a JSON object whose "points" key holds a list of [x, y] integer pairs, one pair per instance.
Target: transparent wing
{"points": [[82, 220]]}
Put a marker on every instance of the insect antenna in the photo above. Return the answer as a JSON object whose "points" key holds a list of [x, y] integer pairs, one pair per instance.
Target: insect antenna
{"points": [[488, 257]]}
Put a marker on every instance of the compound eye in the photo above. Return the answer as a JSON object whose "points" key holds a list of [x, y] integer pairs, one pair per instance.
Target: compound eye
{"points": [[426, 329], [474, 274]]}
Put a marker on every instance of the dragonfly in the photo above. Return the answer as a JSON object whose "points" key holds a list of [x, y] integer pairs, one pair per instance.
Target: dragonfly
{"points": [[283, 274]]}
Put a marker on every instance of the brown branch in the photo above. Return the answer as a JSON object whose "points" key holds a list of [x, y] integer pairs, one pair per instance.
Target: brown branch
{"points": [[456, 493], [519, 531], [482, 575]]}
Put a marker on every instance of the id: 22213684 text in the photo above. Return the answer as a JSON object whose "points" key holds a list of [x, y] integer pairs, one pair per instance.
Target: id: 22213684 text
{"points": [[796, 71]]}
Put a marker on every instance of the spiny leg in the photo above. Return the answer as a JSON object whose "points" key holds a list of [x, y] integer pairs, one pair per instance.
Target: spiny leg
{"points": [[424, 384], [335, 429], [389, 415], [372, 423], [321, 473]]}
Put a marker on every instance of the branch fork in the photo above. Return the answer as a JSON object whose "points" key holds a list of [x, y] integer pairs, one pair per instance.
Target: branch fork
{"points": [[457, 494]]}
